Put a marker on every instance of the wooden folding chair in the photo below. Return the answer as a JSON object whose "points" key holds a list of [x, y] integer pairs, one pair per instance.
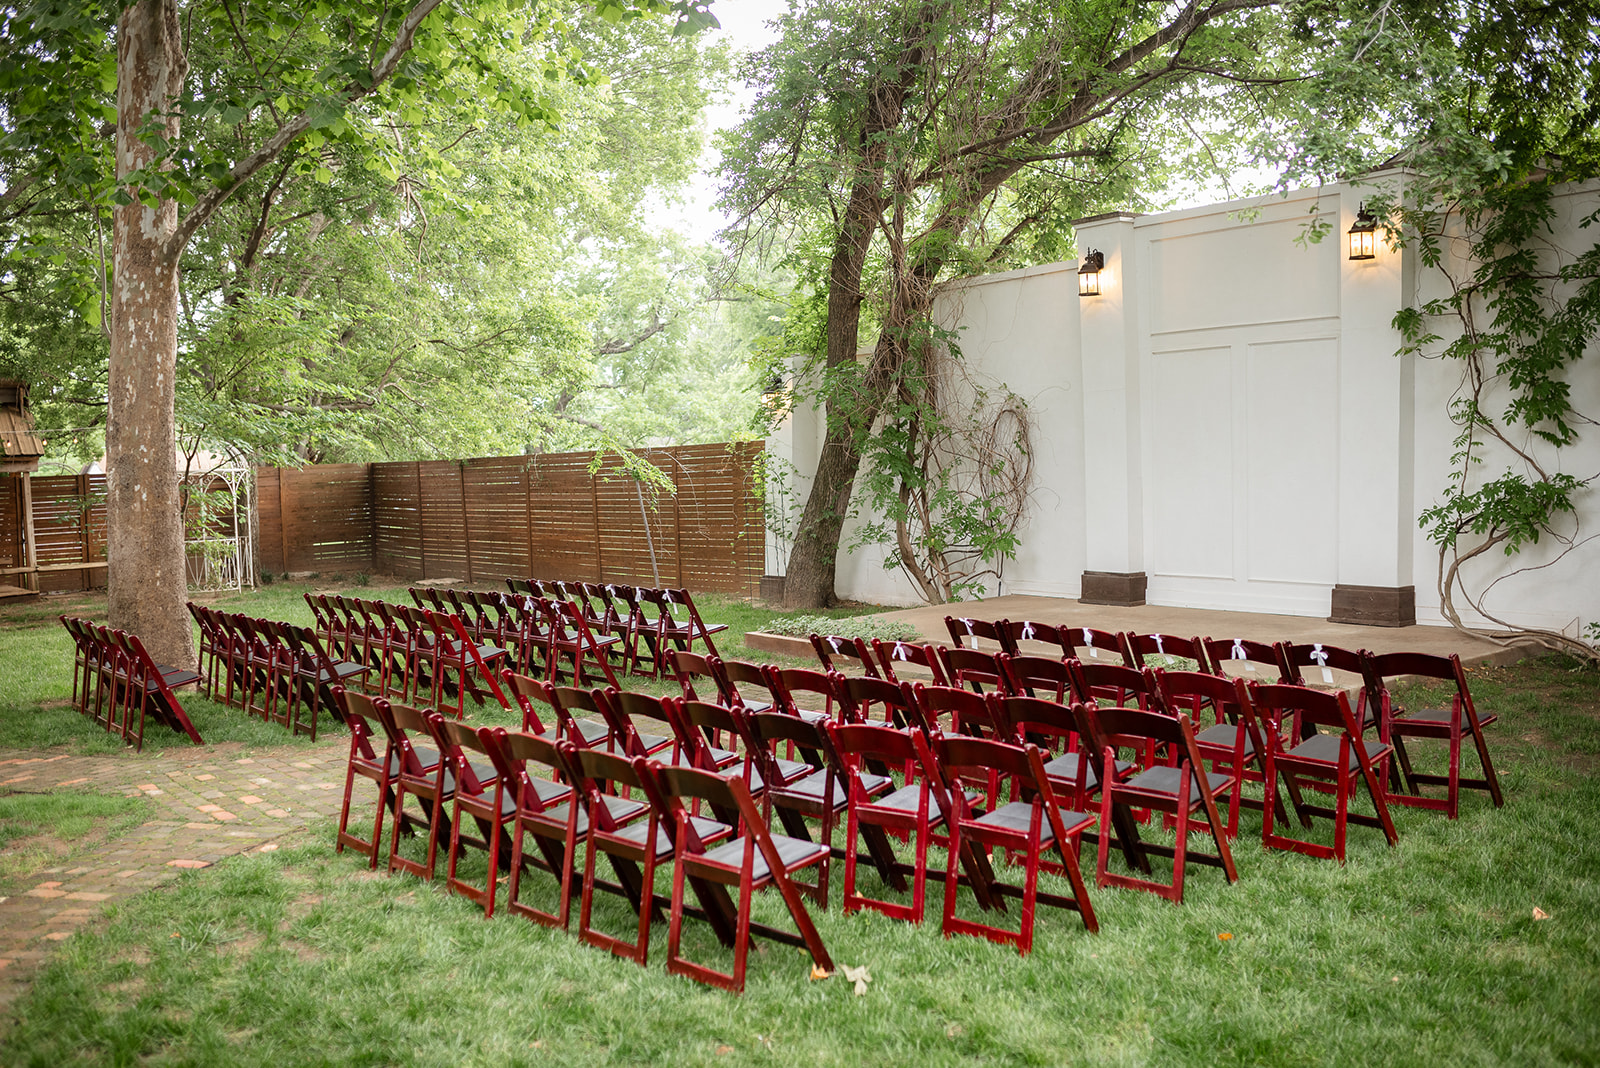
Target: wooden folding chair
{"points": [[891, 653], [621, 711], [1030, 826], [971, 667], [570, 636], [1013, 632], [1117, 683], [1235, 741], [913, 811], [808, 694], [1093, 645], [425, 774], [1341, 758], [835, 652], [629, 843], [1254, 661], [531, 693], [361, 716], [1454, 724], [150, 686], [966, 633], [1073, 775], [747, 685], [755, 860], [544, 808], [480, 793], [454, 650], [1036, 676], [1180, 785]]}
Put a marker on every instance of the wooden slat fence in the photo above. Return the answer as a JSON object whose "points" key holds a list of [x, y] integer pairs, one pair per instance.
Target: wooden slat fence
{"points": [[532, 516], [69, 527]]}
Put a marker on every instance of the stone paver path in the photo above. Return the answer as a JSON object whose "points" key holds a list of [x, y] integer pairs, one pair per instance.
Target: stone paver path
{"points": [[213, 803]]}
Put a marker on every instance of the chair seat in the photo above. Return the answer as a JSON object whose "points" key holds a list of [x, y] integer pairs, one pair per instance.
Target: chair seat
{"points": [[1164, 780], [792, 853], [708, 829], [1437, 717], [1224, 736], [621, 809], [811, 787], [593, 732], [1324, 749], [1065, 767], [1018, 816]]}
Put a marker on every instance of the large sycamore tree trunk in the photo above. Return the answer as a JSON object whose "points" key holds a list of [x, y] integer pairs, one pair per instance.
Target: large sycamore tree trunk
{"points": [[144, 538]]}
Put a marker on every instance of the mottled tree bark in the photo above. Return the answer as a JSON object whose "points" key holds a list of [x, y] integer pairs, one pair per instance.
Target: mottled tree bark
{"points": [[144, 538]]}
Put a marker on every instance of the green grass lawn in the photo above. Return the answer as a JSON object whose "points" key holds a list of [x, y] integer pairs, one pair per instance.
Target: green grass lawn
{"points": [[1427, 953]]}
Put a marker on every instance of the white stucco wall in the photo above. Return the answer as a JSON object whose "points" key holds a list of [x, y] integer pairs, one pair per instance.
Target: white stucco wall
{"points": [[1231, 419]]}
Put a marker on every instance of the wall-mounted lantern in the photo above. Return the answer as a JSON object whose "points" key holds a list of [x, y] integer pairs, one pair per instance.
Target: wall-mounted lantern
{"points": [[1089, 274], [1363, 235]]}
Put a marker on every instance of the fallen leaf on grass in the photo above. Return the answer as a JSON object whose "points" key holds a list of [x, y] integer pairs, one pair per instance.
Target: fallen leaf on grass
{"points": [[723, 1051], [1225, 936], [859, 976], [819, 972], [1540, 914]]}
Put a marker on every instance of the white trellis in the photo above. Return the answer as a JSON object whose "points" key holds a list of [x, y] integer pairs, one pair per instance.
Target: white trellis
{"points": [[217, 510]]}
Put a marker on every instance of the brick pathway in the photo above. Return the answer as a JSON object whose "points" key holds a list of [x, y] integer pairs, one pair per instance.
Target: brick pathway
{"points": [[215, 802]]}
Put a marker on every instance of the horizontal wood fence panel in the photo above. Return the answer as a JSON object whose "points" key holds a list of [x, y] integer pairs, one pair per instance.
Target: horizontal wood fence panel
{"points": [[546, 516], [69, 527]]}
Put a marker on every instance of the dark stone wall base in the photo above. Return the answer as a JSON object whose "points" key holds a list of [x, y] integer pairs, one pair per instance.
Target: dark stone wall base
{"points": [[1121, 588], [772, 588], [1375, 606]]}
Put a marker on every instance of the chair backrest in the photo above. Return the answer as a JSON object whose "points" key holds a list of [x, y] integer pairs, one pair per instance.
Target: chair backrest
{"points": [[1380, 667], [1014, 632], [800, 689], [687, 667], [976, 668], [1310, 708], [891, 653], [510, 753], [742, 673], [950, 709], [595, 773], [1144, 731], [1021, 717], [1233, 656], [1139, 646], [568, 701], [526, 690], [860, 694], [362, 718], [769, 729], [621, 708], [698, 717], [1037, 676], [965, 633], [459, 739], [667, 787], [1319, 657], [832, 648], [1088, 643], [1125, 681]]}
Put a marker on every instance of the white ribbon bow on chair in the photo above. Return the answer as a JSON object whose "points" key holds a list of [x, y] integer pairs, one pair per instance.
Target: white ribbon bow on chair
{"points": [[1088, 639], [1321, 658], [900, 651], [1027, 632]]}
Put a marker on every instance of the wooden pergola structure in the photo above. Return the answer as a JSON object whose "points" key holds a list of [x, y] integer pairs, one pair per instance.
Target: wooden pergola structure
{"points": [[20, 451]]}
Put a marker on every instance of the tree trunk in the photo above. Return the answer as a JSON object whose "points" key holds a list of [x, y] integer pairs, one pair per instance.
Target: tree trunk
{"points": [[144, 539]]}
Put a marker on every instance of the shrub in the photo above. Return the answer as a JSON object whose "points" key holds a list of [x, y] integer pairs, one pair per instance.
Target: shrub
{"points": [[869, 627]]}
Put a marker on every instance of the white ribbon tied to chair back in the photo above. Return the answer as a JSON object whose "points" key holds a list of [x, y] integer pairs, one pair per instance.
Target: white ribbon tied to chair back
{"points": [[1027, 631], [1088, 640], [900, 651], [1321, 657], [833, 642], [1159, 647], [1240, 654]]}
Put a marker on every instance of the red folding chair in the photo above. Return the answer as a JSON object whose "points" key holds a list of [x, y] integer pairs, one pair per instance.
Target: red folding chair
{"points": [[425, 774], [366, 726], [1254, 661], [1179, 785], [1138, 646], [1093, 645], [544, 808], [621, 711], [628, 842], [1030, 825], [1013, 632], [914, 811], [755, 860], [1116, 683], [966, 633], [1454, 725], [150, 686], [891, 653], [571, 637], [847, 656], [1042, 677], [480, 793], [530, 694], [811, 695], [1340, 758], [1235, 741], [971, 667], [455, 650], [747, 685]]}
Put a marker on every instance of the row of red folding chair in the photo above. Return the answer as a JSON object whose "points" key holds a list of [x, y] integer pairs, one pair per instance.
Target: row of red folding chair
{"points": [[708, 855], [129, 686], [1300, 664], [644, 619], [281, 672]]}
